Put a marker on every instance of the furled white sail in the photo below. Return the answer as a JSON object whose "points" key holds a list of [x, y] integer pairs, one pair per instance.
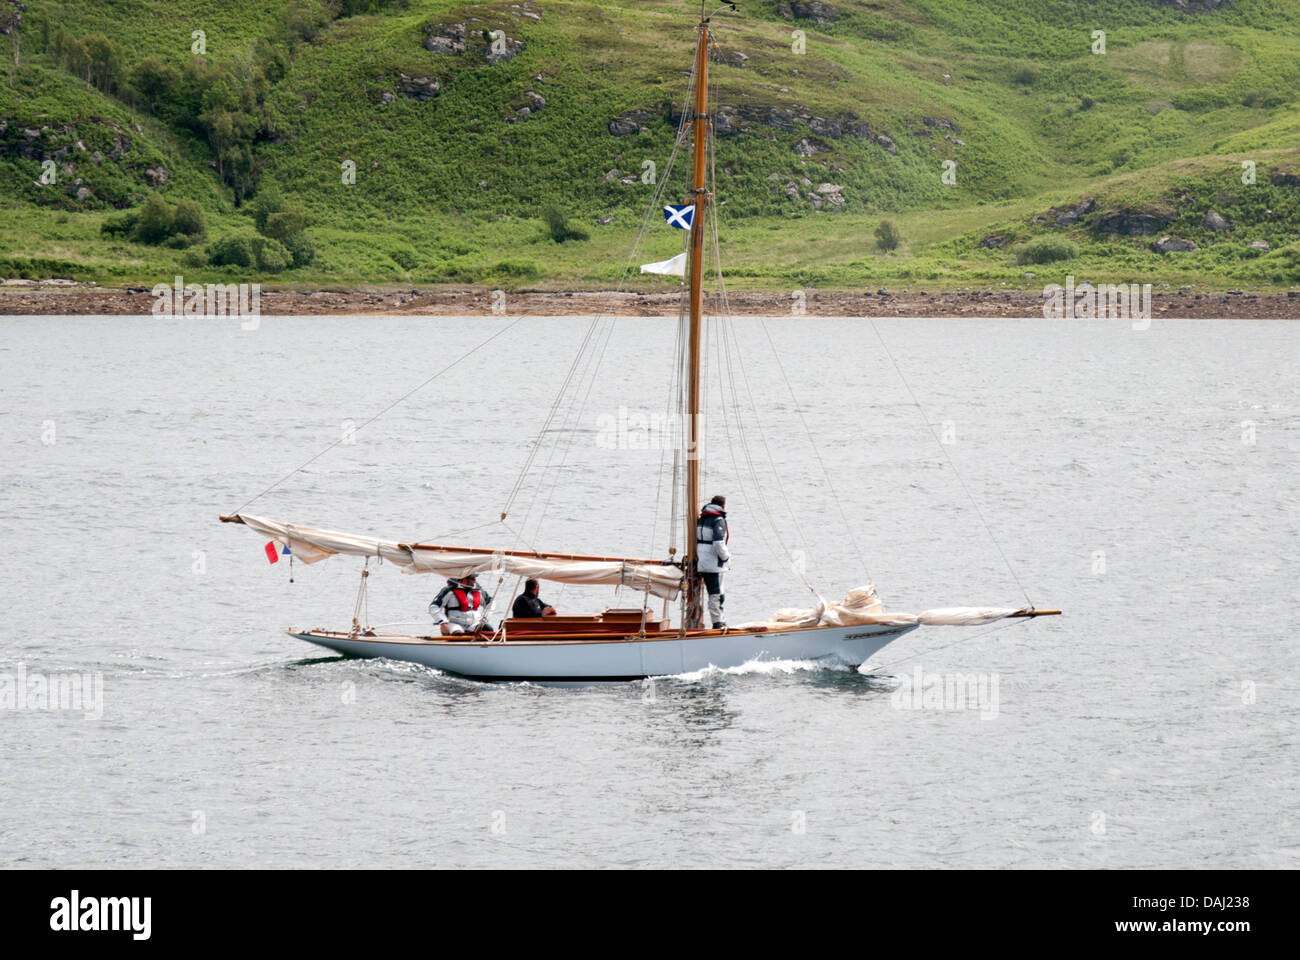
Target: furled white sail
{"points": [[312, 544], [862, 606]]}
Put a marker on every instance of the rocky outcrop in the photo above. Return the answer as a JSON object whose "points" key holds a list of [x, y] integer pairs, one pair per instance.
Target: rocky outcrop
{"points": [[994, 241], [1173, 245], [1133, 223], [1072, 215], [807, 147], [530, 103], [418, 88], [1215, 221], [820, 13], [1285, 178], [887, 143], [157, 176], [454, 38], [445, 38]]}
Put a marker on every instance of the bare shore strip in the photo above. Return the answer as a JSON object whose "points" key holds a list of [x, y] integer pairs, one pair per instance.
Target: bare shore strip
{"points": [[478, 301]]}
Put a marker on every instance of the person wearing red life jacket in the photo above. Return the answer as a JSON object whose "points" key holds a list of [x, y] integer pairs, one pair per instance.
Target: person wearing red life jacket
{"points": [[461, 606], [711, 555]]}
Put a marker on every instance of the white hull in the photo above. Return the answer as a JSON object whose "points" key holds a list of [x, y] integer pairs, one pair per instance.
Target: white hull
{"points": [[616, 658]]}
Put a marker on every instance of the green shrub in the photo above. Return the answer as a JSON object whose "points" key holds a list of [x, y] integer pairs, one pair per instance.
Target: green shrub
{"points": [[188, 219], [1046, 250], [267, 202], [232, 251], [887, 236], [559, 227], [157, 220], [404, 257], [515, 269], [301, 249], [284, 224], [271, 255], [120, 226]]}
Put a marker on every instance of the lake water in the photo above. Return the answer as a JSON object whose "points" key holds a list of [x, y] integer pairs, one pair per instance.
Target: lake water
{"points": [[1142, 480]]}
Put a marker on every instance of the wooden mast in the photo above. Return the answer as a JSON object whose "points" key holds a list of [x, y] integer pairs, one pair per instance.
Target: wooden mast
{"points": [[693, 607]]}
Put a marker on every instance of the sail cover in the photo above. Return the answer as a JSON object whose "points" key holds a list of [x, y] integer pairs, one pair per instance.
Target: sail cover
{"points": [[312, 544]]}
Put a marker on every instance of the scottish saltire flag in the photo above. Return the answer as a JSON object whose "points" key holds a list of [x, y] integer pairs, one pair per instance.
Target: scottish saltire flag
{"points": [[680, 217]]}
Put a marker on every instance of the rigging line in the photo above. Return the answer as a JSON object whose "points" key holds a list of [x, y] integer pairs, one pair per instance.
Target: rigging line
{"points": [[443, 537], [839, 506], [1000, 626], [956, 472], [593, 363], [726, 309], [655, 201], [399, 400], [663, 448]]}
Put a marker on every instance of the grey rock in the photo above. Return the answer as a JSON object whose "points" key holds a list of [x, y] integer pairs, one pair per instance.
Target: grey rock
{"points": [[887, 143], [418, 88], [1213, 220], [821, 13], [1132, 223], [1173, 245], [808, 148], [1259, 244], [83, 194], [445, 38], [157, 176], [1285, 178], [622, 127], [994, 241]]}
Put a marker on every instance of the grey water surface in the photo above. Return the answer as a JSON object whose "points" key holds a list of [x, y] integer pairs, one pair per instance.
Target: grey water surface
{"points": [[1142, 480]]}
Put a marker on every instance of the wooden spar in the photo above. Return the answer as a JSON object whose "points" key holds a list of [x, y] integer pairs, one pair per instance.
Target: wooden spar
{"points": [[692, 609], [531, 554]]}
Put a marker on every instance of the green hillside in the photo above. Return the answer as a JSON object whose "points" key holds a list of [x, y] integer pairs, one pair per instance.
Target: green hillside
{"points": [[1065, 158]]}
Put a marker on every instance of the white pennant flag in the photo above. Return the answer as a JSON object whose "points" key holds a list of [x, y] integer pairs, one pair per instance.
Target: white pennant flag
{"points": [[676, 267]]}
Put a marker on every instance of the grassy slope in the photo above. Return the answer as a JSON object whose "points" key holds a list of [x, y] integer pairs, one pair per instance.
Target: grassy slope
{"points": [[454, 188]]}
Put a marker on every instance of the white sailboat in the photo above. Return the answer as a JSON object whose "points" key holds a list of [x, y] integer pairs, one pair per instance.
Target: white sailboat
{"points": [[617, 644]]}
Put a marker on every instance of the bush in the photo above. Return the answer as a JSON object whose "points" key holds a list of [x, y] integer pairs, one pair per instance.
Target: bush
{"points": [[267, 202], [120, 226], [271, 255], [887, 236], [558, 226], [177, 241], [1046, 250], [301, 249], [284, 224], [404, 257], [188, 219], [156, 222], [235, 251]]}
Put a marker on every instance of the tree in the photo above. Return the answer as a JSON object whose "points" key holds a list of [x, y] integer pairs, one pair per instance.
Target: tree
{"points": [[284, 224], [887, 236], [157, 220], [155, 81], [188, 219]]}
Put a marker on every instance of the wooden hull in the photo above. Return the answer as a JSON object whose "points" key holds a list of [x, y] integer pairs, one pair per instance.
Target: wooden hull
{"points": [[621, 658]]}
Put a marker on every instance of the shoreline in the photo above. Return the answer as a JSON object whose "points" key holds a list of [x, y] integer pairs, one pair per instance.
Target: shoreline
{"points": [[44, 300]]}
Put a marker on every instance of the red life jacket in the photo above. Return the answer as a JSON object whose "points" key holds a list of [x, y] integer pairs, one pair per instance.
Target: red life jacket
{"points": [[468, 599]]}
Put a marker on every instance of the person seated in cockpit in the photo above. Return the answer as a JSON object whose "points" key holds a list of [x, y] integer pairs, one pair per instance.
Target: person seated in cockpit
{"points": [[461, 606], [529, 604]]}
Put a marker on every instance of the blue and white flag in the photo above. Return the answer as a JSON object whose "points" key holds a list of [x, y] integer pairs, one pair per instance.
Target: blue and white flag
{"points": [[680, 217]]}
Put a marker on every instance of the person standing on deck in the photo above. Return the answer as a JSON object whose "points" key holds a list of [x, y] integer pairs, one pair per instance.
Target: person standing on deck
{"points": [[460, 607], [711, 554]]}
